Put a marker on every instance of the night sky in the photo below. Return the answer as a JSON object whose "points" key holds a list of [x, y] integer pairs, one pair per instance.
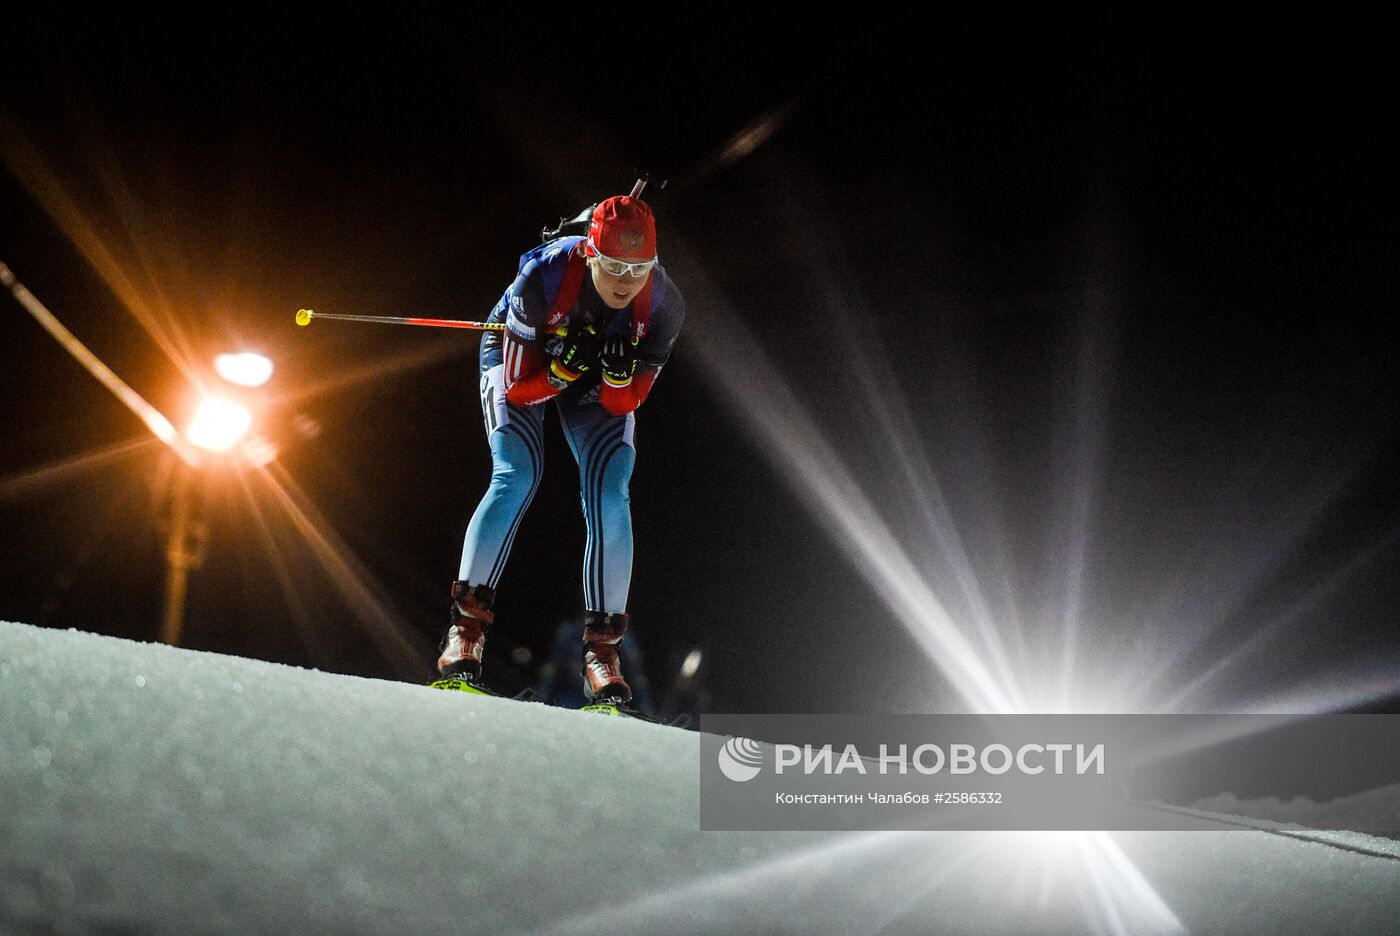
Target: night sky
{"points": [[1132, 306]]}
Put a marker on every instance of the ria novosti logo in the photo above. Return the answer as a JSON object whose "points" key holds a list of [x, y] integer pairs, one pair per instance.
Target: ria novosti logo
{"points": [[740, 759]]}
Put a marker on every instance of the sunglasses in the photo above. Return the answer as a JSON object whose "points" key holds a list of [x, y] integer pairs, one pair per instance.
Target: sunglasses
{"points": [[621, 267]]}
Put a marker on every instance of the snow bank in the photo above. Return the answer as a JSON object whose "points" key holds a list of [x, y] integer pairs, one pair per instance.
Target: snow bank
{"points": [[154, 790], [1370, 809]]}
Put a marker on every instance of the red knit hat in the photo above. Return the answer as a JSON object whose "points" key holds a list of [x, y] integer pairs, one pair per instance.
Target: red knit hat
{"points": [[623, 228]]}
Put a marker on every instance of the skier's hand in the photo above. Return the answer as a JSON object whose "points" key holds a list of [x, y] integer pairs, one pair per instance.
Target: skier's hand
{"points": [[618, 359], [579, 354]]}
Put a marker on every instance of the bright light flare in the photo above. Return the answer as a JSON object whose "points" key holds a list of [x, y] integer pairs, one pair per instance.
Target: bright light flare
{"points": [[794, 440], [260, 451], [691, 664], [1063, 882], [218, 425], [246, 369]]}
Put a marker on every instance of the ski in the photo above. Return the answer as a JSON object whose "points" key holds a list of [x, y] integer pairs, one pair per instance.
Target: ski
{"points": [[618, 709], [463, 684], [613, 709]]}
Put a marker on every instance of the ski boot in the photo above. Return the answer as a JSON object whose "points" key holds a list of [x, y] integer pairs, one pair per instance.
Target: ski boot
{"points": [[608, 693], [462, 648]]}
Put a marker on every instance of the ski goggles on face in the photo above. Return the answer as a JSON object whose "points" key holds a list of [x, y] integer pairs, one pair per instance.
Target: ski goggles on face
{"points": [[622, 267]]}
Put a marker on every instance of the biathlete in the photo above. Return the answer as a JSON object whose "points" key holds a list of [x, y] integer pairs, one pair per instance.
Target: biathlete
{"points": [[590, 321]]}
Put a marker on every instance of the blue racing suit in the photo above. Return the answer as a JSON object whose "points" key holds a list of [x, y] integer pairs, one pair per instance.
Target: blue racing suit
{"points": [[534, 309]]}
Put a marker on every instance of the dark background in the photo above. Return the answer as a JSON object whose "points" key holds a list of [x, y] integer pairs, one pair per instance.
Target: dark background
{"points": [[1133, 291]]}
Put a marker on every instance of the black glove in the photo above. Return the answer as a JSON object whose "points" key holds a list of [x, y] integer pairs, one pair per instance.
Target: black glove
{"points": [[579, 354], [618, 358]]}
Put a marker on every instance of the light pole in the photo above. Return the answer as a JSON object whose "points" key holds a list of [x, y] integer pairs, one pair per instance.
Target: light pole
{"points": [[184, 551], [219, 425]]}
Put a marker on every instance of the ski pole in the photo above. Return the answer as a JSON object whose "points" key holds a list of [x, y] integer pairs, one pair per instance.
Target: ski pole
{"points": [[304, 317], [643, 180]]}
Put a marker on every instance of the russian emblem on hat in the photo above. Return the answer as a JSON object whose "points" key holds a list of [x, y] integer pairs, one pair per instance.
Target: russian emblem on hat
{"points": [[623, 228]]}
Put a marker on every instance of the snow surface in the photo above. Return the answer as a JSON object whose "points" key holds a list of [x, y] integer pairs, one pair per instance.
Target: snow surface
{"points": [[1372, 809], [145, 789]]}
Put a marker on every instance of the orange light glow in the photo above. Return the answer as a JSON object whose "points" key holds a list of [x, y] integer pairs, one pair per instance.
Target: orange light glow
{"points": [[218, 425], [245, 370]]}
